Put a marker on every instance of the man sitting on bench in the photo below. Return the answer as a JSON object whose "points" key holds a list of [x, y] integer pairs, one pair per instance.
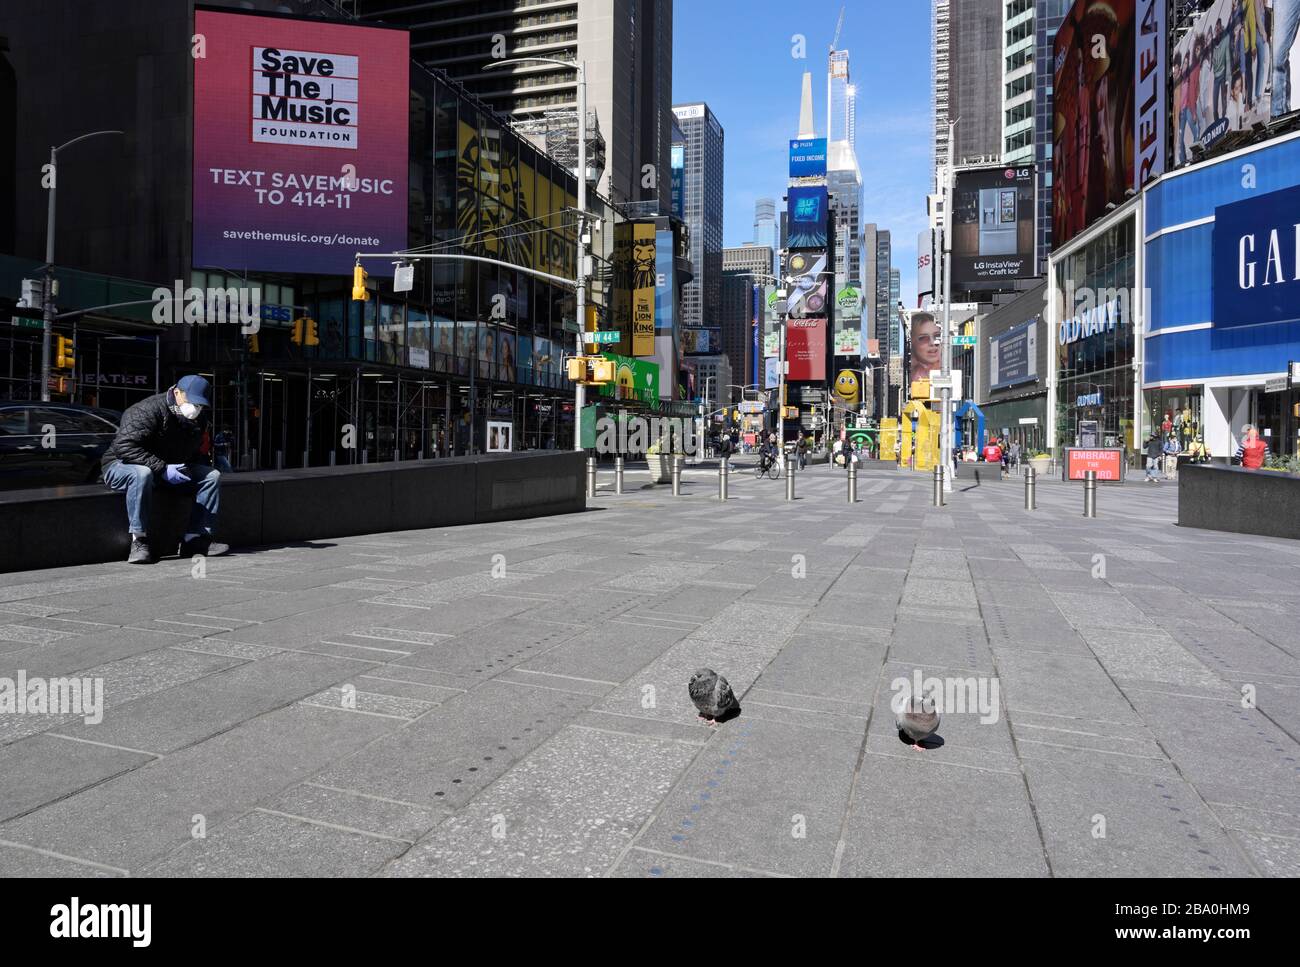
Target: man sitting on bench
{"points": [[160, 439]]}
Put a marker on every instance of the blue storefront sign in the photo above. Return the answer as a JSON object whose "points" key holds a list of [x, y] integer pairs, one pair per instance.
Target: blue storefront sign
{"points": [[808, 158], [1257, 260]]}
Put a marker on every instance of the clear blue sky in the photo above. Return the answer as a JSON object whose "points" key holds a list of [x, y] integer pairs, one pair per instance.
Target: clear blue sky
{"points": [[737, 57]]}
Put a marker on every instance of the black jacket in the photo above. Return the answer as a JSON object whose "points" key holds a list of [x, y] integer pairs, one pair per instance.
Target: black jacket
{"points": [[1155, 448], [152, 435]]}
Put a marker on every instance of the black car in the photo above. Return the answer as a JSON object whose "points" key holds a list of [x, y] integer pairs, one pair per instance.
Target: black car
{"points": [[43, 444]]}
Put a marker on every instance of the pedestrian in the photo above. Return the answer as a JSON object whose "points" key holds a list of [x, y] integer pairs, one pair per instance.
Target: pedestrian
{"points": [[1252, 451], [1170, 450], [993, 452], [1015, 455], [159, 439], [1154, 448], [802, 448]]}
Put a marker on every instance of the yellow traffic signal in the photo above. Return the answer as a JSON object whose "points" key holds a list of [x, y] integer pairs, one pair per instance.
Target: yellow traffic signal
{"points": [[359, 276], [296, 335], [65, 357], [577, 368], [305, 332], [602, 370], [590, 369], [253, 345], [312, 336]]}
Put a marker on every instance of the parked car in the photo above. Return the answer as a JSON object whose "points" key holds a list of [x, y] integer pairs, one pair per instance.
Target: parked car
{"points": [[43, 444]]}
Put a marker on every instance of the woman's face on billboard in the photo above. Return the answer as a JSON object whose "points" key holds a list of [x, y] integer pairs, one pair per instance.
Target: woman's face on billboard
{"points": [[925, 341]]}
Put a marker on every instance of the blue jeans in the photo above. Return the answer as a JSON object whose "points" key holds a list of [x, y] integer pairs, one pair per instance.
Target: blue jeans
{"points": [[1153, 469], [1286, 19], [138, 481]]}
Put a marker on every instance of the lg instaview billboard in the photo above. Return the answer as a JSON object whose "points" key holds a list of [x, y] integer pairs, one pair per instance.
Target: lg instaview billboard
{"points": [[993, 227], [300, 144]]}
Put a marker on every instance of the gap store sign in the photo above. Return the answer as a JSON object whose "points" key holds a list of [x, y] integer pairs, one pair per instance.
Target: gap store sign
{"points": [[1257, 260]]}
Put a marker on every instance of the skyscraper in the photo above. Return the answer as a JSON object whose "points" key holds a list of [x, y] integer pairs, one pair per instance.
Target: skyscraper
{"points": [[741, 268], [1018, 62], [877, 311], [625, 44], [766, 230], [968, 39], [843, 176], [702, 190], [895, 296]]}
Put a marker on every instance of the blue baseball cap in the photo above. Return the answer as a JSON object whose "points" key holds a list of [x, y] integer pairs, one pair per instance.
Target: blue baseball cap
{"points": [[196, 390]]}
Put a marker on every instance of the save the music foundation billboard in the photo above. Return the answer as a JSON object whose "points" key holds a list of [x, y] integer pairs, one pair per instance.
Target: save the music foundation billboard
{"points": [[300, 143]]}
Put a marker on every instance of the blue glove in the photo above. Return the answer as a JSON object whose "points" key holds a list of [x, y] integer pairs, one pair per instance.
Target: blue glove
{"points": [[175, 474]]}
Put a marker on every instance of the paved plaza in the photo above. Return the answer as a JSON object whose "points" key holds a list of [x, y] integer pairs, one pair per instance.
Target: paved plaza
{"points": [[510, 699]]}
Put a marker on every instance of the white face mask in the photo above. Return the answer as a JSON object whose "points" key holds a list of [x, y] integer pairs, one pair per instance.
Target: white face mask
{"points": [[189, 410]]}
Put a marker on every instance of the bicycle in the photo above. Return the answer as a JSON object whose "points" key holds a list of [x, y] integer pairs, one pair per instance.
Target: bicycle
{"points": [[767, 467]]}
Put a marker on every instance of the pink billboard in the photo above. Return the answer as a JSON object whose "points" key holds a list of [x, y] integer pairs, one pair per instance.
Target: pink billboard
{"points": [[300, 143], [805, 349]]}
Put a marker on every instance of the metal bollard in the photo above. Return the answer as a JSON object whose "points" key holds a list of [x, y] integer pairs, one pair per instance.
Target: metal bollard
{"points": [[1090, 493], [723, 470], [1031, 488], [618, 474], [853, 483], [789, 478], [591, 476], [938, 485], [677, 474]]}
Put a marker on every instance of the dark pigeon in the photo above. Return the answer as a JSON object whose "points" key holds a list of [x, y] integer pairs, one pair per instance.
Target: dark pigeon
{"points": [[712, 695], [918, 720]]}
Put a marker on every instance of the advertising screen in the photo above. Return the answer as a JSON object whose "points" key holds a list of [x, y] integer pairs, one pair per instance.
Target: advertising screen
{"points": [[634, 379], [993, 227], [1255, 247], [1013, 356], [1109, 464], [808, 158], [1221, 74], [678, 164], [1093, 107], [806, 215], [300, 144], [701, 342], [805, 349], [809, 286], [848, 342]]}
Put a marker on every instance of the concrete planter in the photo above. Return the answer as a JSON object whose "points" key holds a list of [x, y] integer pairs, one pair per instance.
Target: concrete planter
{"points": [[1239, 501], [1040, 464]]}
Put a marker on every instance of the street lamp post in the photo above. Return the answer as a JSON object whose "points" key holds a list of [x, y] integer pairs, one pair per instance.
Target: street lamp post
{"points": [[49, 258], [580, 389], [945, 392]]}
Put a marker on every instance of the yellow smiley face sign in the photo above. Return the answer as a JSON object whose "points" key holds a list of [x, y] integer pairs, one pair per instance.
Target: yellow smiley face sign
{"points": [[846, 386]]}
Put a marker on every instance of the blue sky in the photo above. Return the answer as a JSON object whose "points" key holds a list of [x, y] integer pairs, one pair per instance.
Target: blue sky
{"points": [[737, 57]]}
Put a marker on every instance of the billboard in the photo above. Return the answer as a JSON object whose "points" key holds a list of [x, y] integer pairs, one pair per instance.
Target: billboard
{"points": [[923, 347], [808, 158], [634, 286], [771, 372], [634, 379], [848, 342], [805, 350], [806, 217], [848, 388], [993, 227], [1222, 74], [1013, 356], [1286, 57], [678, 166], [809, 284], [848, 303], [1093, 113], [1255, 247], [1150, 106], [701, 342], [300, 144]]}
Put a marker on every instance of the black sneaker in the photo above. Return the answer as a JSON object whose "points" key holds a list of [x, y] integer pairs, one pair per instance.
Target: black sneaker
{"points": [[203, 546], [140, 552]]}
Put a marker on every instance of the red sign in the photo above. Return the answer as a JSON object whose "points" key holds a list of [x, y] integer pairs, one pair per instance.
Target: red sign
{"points": [[805, 349], [1109, 464]]}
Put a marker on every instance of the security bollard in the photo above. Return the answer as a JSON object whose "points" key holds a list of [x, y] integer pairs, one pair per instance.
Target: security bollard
{"points": [[789, 478], [591, 476], [1090, 493], [677, 474], [618, 474], [1031, 488], [853, 483], [938, 486], [722, 479]]}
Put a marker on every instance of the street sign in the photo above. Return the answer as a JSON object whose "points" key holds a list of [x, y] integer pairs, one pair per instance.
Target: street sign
{"points": [[24, 322], [403, 277], [604, 337], [752, 406], [963, 340], [1275, 385]]}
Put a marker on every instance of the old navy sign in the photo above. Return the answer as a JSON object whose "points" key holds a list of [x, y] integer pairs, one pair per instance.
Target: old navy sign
{"points": [[1257, 260], [1090, 321]]}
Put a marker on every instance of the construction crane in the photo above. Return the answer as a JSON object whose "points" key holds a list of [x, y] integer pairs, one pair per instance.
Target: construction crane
{"points": [[839, 27]]}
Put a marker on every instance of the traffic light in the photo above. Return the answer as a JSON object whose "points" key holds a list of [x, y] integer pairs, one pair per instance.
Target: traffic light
{"points": [[590, 369], [359, 276], [65, 355], [305, 332]]}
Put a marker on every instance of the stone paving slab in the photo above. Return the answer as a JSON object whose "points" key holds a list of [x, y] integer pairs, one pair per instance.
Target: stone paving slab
{"points": [[385, 705]]}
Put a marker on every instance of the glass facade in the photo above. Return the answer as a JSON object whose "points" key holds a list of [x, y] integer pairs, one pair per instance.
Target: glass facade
{"points": [[1095, 339]]}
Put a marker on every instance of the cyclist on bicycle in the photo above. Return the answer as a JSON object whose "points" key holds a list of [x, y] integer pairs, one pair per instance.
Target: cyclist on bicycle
{"points": [[766, 456]]}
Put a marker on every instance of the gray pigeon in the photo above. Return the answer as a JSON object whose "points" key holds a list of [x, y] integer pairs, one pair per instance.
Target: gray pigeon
{"points": [[711, 695], [918, 720]]}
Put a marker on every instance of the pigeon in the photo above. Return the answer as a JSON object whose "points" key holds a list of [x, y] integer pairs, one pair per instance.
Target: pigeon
{"points": [[918, 720], [712, 695]]}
